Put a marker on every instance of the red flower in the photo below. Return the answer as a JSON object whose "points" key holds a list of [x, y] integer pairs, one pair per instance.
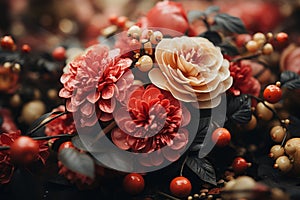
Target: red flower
{"points": [[6, 167], [290, 59], [169, 17], [61, 125], [90, 86], [151, 120], [243, 82]]}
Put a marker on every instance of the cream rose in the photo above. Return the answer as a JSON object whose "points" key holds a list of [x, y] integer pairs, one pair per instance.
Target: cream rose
{"points": [[192, 69]]}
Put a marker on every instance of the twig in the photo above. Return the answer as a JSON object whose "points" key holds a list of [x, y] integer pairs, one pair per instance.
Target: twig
{"points": [[46, 122], [105, 130], [182, 165], [53, 136], [247, 57]]}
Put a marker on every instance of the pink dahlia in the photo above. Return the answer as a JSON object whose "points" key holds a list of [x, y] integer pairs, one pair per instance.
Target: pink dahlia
{"points": [[90, 85], [61, 125], [151, 120], [243, 81]]}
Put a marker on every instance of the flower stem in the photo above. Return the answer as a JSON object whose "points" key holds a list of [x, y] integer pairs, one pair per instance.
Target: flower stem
{"points": [[182, 166], [53, 136], [247, 57], [106, 130], [276, 116], [46, 122]]}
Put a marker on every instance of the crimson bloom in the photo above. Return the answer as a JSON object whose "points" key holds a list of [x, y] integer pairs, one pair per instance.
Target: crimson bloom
{"points": [[243, 81], [90, 85], [6, 166], [169, 17], [152, 122]]}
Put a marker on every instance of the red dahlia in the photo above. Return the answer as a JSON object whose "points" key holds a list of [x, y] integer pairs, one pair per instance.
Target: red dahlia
{"points": [[151, 120], [243, 81]]}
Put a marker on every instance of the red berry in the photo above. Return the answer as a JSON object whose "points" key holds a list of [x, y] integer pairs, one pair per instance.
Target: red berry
{"points": [[121, 21], [180, 187], [65, 145], [113, 19], [24, 150], [59, 53], [7, 43], [26, 48], [239, 165], [133, 183], [282, 37], [272, 93], [221, 136]]}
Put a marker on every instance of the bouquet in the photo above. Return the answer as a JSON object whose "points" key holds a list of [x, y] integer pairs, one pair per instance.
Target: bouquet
{"points": [[154, 97]]}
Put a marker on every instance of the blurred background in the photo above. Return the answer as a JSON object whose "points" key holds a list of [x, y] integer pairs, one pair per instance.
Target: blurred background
{"points": [[54, 22]]}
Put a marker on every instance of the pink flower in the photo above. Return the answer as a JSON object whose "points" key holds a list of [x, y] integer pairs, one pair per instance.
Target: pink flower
{"points": [[169, 17], [61, 125], [243, 81], [90, 85], [290, 59], [151, 120]]}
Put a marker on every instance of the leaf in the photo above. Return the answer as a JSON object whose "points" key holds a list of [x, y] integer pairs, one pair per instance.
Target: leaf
{"points": [[201, 133], [78, 143], [194, 14], [228, 49], [202, 168], [212, 36], [230, 23], [77, 162], [212, 9], [239, 109], [290, 80], [37, 122]]}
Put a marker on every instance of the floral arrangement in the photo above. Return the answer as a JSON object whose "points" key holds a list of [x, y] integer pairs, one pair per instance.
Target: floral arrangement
{"points": [[155, 98]]}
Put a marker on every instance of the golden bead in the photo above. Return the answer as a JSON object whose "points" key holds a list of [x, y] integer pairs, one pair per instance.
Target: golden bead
{"points": [[134, 31], [268, 49], [145, 63], [156, 37], [252, 46], [259, 37]]}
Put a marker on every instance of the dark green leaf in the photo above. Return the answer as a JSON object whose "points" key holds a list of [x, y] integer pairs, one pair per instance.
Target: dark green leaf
{"points": [[202, 168], [212, 36], [77, 162], [78, 143], [194, 14], [228, 49], [290, 80], [239, 109], [212, 9], [201, 133], [230, 23]]}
